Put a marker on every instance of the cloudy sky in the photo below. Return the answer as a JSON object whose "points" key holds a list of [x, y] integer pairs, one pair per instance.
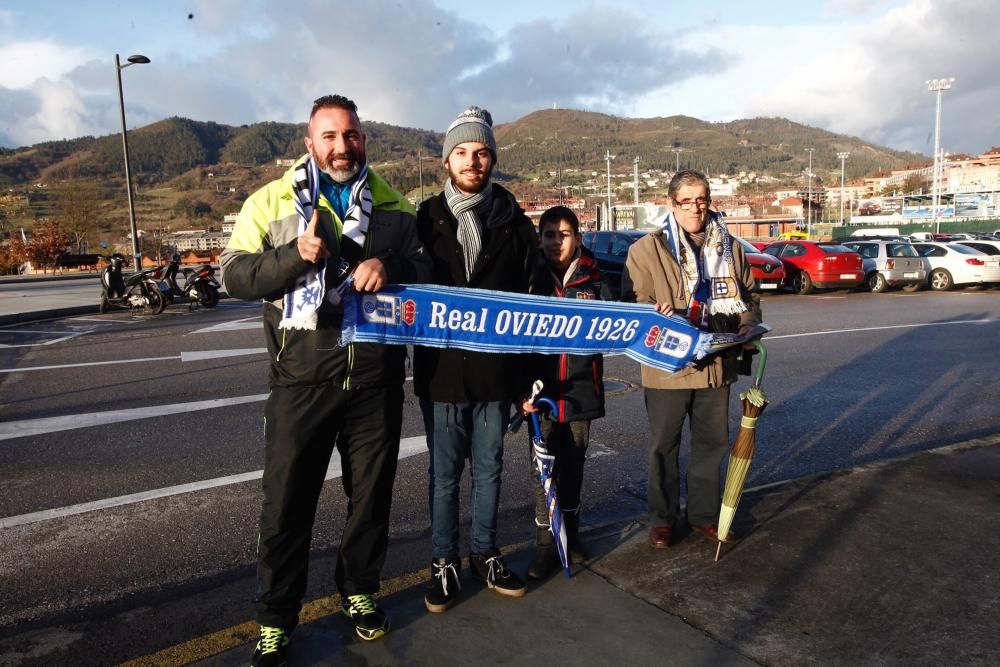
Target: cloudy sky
{"points": [[852, 66]]}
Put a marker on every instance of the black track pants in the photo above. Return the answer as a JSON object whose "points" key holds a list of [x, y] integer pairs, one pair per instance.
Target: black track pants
{"points": [[302, 425]]}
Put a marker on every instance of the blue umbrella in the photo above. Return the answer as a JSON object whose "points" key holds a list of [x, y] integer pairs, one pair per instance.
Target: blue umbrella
{"points": [[545, 462]]}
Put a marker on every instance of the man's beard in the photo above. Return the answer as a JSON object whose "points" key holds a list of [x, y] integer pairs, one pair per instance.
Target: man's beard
{"points": [[341, 175], [459, 181]]}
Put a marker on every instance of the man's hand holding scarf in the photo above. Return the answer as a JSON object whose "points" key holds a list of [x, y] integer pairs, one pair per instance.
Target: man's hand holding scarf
{"points": [[370, 275]]}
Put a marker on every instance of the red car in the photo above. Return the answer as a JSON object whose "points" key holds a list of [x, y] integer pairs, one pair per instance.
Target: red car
{"points": [[810, 265], [767, 270]]}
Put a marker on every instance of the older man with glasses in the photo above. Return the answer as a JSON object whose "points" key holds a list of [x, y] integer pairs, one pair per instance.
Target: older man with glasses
{"points": [[690, 267]]}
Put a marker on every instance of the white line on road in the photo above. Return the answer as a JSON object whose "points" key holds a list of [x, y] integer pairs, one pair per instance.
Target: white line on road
{"points": [[890, 326], [201, 355], [28, 427], [407, 447]]}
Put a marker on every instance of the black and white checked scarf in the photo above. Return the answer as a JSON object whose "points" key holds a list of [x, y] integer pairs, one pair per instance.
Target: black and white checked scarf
{"points": [[470, 227], [302, 302]]}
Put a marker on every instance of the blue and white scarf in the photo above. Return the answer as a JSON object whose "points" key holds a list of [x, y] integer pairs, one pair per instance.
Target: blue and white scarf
{"points": [[503, 322], [302, 302], [712, 282]]}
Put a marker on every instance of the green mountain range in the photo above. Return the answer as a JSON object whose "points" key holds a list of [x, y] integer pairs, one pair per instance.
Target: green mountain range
{"points": [[540, 142]]}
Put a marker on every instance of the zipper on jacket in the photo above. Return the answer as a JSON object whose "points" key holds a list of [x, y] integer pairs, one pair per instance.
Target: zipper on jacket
{"points": [[277, 357], [563, 377], [350, 346]]}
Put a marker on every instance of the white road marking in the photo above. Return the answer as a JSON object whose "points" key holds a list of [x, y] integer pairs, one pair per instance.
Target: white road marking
{"points": [[236, 325], [407, 447], [890, 326], [64, 335], [28, 427], [183, 357]]}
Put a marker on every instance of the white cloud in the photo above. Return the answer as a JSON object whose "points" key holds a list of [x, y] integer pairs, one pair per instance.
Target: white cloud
{"points": [[26, 62], [871, 83]]}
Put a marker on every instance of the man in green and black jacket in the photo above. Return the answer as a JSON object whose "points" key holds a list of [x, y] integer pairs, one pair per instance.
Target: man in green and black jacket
{"points": [[323, 394]]}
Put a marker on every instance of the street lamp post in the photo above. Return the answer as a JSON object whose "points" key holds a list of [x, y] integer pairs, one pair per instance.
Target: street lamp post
{"points": [[608, 157], [937, 86], [132, 60], [809, 177], [677, 159], [843, 156], [635, 179]]}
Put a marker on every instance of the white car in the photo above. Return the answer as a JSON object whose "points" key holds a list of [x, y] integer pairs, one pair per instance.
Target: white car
{"points": [[984, 245], [951, 264]]}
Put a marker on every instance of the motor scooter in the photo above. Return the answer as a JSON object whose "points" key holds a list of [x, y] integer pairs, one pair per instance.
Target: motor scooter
{"points": [[137, 292], [199, 288]]}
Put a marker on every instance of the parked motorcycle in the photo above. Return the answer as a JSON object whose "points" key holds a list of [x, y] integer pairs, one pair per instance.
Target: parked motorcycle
{"points": [[137, 292], [199, 287]]}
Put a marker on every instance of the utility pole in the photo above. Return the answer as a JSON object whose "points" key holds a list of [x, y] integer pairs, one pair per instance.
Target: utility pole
{"points": [[937, 86], [809, 176], [677, 159], [635, 178], [608, 157], [843, 156]]}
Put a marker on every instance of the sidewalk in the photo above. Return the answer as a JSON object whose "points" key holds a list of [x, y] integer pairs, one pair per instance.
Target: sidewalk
{"points": [[890, 563]]}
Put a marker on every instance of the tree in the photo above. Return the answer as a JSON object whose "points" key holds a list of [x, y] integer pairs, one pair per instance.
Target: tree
{"points": [[48, 242], [77, 209]]}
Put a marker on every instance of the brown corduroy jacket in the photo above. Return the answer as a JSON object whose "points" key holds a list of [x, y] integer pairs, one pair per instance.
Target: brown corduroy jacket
{"points": [[652, 275]]}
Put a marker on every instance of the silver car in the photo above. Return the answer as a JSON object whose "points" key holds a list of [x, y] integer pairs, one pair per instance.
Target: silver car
{"points": [[890, 264]]}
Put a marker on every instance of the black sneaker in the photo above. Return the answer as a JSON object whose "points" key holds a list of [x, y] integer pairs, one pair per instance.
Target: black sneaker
{"points": [[545, 563], [491, 569], [443, 588], [370, 622], [271, 648]]}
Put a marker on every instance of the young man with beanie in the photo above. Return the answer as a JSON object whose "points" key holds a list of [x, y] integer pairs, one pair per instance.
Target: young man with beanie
{"points": [[294, 242], [691, 267], [477, 236]]}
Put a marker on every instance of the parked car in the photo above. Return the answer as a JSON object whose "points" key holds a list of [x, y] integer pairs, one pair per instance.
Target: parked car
{"points": [[890, 264], [810, 265], [951, 264], [988, 246], [610, 249], [768, 271]]}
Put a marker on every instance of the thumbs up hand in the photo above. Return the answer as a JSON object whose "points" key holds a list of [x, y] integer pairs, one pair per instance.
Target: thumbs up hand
{"points": [[310, 244]]}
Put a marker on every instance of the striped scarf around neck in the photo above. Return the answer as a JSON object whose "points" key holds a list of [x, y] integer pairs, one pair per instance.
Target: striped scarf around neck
{"points": [[467, 208], [302, 302], [711, 273]]}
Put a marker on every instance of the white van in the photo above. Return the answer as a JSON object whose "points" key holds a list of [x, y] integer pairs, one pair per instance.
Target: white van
{"points": [[921, 237], [876, 231]]}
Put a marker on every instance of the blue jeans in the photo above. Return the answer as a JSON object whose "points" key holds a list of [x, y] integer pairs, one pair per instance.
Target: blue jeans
{"points": [[456, 432]]}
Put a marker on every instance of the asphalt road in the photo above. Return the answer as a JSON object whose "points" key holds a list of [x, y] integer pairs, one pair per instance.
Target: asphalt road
{"points": [[103, 417]]}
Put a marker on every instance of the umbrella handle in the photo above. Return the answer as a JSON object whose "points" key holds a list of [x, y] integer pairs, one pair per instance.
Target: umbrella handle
{"points": [[760, 362], [534, 415]]}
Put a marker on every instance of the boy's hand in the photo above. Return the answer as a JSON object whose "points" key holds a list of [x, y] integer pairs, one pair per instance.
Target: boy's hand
{"points": [[665, 309], [370, 276], [527, 406]]}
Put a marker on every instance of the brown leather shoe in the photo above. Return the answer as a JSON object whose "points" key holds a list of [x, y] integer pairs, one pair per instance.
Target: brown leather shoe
{"points": [[710, 531], [659, 536]]}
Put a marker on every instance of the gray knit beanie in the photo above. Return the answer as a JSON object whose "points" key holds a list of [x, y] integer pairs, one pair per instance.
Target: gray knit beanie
{"points": [[473, 124]]}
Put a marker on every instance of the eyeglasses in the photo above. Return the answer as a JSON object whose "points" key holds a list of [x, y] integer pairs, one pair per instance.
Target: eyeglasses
{"points": [[691, 204]]}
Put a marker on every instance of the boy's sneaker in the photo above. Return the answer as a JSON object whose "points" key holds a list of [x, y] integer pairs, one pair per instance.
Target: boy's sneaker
{"points": [[370, 622], [271, 648], [443, 588], [491, 569]]}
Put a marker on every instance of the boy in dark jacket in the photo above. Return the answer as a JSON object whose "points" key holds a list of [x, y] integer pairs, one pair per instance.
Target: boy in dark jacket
{"points": [[574, 383]]}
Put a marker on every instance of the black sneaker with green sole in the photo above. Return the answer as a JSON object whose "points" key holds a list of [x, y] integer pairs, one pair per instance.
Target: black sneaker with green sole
{"points": [[271, 648], [370, 622]]}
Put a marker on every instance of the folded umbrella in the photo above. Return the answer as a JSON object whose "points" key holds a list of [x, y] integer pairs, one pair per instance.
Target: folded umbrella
{"points": [[545, 463], [754, 402]]}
